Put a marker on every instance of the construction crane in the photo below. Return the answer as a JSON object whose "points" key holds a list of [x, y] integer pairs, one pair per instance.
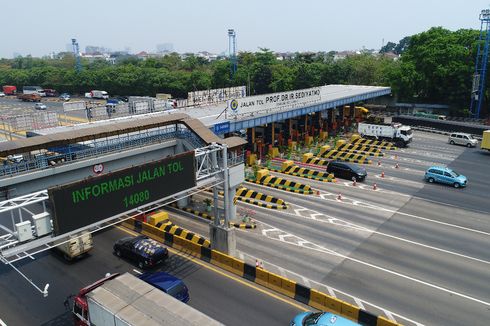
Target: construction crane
{"points": [[76, 53], [232, 51], [478, 87]]}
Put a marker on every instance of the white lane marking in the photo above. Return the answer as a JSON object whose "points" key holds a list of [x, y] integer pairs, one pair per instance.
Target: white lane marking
{"points": [[137, 271], [397, 212], [2, 323], [386, 270], [372, 206], [334, 220], [332, 291], [359, 303], [398, 180]]}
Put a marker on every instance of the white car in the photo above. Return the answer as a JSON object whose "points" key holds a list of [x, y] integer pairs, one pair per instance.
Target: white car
{"points": [[40, 106], [2, 94]]}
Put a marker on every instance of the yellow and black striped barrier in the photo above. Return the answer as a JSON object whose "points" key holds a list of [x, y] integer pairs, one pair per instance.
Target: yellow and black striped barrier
{"points": [[283, 184], [252, 197], [317, 161], [381, 144], [160, 220], [361, 149], [308, 173], [346, 157], [261, 276], [211, 218]]}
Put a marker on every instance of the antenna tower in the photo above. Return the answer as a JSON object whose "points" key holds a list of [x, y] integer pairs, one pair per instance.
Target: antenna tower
{"points": [[76, 53], [232, 51], [478, 87]]}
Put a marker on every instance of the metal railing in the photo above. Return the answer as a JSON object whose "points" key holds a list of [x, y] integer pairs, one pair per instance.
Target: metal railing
{"points": [[98, 147]]}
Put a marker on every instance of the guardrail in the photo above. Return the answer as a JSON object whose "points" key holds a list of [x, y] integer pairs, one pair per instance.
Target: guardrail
{"points": [[81, 151]]}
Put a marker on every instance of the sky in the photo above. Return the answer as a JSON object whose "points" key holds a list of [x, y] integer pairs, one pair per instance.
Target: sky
{"points": [[42, 27]]}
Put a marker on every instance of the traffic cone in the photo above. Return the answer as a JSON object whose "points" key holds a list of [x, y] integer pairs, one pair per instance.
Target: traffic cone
{"points": [[379, 163], [339, 196], [396, 166], [318, 192], [262, 264], [382, 174], [257, 264], [354, 183], [375, 186]]}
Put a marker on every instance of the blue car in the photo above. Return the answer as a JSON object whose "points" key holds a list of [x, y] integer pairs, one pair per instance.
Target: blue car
{"points": [[445, 175], [167, 283], [320, 319]]}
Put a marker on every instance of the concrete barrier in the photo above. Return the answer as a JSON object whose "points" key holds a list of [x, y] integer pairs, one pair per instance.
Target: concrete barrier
{"points": [[301, 293]]}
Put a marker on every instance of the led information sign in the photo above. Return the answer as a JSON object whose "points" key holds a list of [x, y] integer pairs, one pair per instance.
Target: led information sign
{"points": [[82, 203]]}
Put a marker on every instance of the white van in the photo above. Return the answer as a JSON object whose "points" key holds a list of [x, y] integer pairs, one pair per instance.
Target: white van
{"points": [[460, 138]]}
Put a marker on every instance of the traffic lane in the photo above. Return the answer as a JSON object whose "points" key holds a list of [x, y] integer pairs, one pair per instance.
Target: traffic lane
{"points": [[472, 163], [228, 299], [423, 303], [67, 278], [468, 235], [423, 234], [444, 269]]}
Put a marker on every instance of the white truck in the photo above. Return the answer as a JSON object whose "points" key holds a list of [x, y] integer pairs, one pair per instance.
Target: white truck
{"points": [[76, 245], [394, 132], [125, 300], [97, 94]]}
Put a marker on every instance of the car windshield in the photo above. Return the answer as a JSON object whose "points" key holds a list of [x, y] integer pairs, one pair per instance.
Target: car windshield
{"points": [[312, 319], [176, 289], [454, 174]]}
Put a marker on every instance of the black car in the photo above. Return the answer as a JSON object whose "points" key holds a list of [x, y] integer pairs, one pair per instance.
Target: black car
{"points": [[142, 250], [346, 171]]}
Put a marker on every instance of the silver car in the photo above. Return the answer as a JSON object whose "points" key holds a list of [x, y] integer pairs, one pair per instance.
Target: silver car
{"points": [[460, 138], [40, 106]]}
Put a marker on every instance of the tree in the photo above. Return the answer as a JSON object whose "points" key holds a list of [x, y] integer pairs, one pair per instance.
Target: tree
{"points": [[389, 47]]}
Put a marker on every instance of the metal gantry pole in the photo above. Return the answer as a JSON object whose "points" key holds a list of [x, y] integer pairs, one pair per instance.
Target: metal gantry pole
{"points": [[226, 185]]}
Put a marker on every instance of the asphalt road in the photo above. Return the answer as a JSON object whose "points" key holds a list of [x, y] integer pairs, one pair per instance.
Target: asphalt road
{"points": [[226, 298], [411, 250]]}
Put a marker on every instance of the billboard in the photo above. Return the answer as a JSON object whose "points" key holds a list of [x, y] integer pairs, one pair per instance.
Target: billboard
{"points": [[74, 106], [275, 101], [98, 198], [211, 96]]}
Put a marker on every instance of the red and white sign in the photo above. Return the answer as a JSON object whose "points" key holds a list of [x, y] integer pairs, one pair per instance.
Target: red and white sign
{"points": [[98, 168]]}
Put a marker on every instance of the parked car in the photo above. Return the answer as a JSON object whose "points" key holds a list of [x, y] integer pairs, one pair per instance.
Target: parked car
{"points": [[310, 318], [142, 250], [123, 98], [445, 175], [2, 94], [50, 92], [460, 138], [65, 97], [168, 284], [40, 106], [347, 171]]}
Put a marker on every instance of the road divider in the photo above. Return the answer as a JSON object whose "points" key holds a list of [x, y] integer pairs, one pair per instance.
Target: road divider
{"points": [[211, 217], [263, 178], [377, 143], [261, 276], [290, 168]]}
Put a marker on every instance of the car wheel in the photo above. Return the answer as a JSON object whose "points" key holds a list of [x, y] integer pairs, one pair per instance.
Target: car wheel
{"points": [[451, 142], [431, 180], [141, 265], [118, 253], [468, 145], [456, 185]]}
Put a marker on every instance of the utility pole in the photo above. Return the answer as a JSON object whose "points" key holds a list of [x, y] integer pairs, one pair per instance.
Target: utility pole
{"points": [[76, 53], [232, 51]]}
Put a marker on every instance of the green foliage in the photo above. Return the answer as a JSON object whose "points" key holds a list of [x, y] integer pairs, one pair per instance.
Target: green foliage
{"points": [[435, 66]]}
